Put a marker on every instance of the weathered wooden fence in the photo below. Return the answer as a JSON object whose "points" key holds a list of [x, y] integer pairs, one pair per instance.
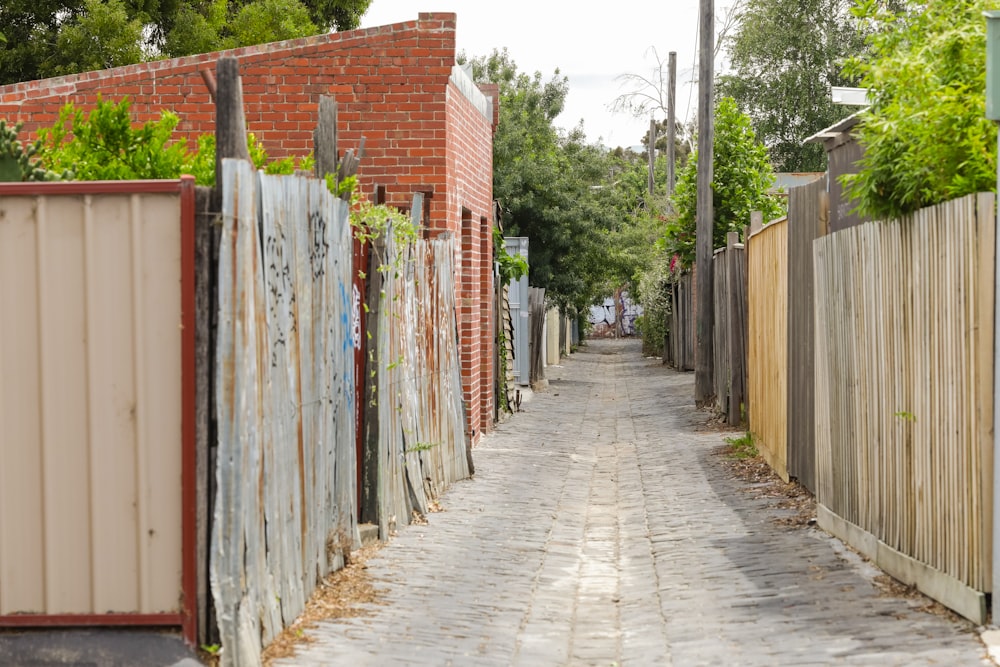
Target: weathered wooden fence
{"points": [[767, 342], [730, 334], [536, 329], [904, 360], [807, 221], [284, 509], [681, 324], [423, 445]]}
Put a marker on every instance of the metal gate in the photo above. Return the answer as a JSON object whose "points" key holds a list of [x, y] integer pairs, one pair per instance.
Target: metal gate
{"points": [[518, 245]]}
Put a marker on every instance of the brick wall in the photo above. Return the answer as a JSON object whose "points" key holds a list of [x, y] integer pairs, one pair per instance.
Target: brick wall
{"points": [[427, 129]]}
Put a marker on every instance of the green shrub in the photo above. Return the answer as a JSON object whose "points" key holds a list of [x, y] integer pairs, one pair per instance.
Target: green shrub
{"points": [[925, 135]]}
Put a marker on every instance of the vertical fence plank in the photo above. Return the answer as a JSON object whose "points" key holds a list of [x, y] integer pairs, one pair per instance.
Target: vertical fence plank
{"points": [[804, 213], [767, 356], [903, 333]]}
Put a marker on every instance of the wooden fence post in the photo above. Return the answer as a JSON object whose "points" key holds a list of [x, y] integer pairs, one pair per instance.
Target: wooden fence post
{"points": [[230, 142], [230, 121]]}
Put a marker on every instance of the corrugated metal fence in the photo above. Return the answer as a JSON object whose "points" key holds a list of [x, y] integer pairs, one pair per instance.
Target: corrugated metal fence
{"points": [[904, 359], [767, 351], [423, 446], [284, 510], [96, 350]]}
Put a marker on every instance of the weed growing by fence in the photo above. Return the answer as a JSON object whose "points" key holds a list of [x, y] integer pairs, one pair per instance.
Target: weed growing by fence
{"points": [[743, 446]]}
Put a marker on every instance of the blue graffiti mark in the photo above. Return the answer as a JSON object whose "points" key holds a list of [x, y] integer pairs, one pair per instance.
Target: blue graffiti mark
{"points": [[345, 318]]}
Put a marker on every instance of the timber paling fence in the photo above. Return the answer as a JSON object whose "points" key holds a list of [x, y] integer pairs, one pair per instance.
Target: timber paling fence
{"points": [[767, 342], [729, 266], [680, 346], [807, 221], [904, 396]]}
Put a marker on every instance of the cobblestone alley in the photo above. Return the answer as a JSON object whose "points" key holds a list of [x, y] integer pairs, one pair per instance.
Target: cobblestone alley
{"points": [[603, 527]]}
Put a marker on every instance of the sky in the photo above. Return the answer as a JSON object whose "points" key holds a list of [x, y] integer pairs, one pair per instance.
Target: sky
{"points": [[591, 47]]}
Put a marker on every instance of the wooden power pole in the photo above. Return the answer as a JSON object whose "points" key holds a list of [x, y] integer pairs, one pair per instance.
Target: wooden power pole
{"points": [[651, 154], [671, 121], [705, 318]]}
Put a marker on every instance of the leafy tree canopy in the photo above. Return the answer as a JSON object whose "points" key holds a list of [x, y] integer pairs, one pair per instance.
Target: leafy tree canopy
{"points": [[46, 38], [925, 135], [541, 177], [785, 55], [582, 207], [741, 178]]}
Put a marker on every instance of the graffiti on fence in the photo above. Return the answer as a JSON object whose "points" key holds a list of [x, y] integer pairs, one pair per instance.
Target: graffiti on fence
{"points": [[604, 317]]}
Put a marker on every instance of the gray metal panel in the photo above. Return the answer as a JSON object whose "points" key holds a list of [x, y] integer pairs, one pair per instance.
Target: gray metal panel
{"points": [[284, 511], [518, 245]]}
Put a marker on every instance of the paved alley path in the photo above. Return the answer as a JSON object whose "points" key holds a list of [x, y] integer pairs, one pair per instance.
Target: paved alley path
{"points": [[601, 529]]}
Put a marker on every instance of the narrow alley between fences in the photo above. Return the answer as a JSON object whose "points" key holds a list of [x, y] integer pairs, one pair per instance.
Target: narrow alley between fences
{"points": [[607, 525]]}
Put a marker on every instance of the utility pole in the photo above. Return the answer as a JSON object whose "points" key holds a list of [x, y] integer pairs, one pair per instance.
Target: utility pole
{"points": [[651, 153], [705, 319], [671, 121]]}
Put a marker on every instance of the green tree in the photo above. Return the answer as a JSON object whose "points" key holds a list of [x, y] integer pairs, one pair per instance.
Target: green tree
{"points": [[784, 56], [925, 135], [741, 178], [102, 36], [545, 181]]}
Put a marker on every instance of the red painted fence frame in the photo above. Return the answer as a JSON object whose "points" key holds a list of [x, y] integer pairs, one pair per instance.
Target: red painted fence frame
{"points": [[187, 618]]}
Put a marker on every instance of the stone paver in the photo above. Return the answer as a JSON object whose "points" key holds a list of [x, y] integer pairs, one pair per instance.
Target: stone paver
{"points": [[600, 529]]}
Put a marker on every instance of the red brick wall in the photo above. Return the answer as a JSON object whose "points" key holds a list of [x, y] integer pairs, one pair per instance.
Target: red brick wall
{"points": [[392, 84], [470, 178]]}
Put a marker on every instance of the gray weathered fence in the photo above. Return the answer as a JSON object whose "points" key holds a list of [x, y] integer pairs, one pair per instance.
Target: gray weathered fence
{"points": [[807, 219], [284, 514], [730, 333], [423, 445], [681, 329]]}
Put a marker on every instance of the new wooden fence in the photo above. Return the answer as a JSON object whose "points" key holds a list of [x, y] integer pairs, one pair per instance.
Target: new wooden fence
{"points": [[284, 509], [904, 359], [767, 344], [730, 285]]}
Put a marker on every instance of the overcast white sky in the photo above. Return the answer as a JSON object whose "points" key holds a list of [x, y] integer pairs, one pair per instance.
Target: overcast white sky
{"points": [[590, 42]]}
